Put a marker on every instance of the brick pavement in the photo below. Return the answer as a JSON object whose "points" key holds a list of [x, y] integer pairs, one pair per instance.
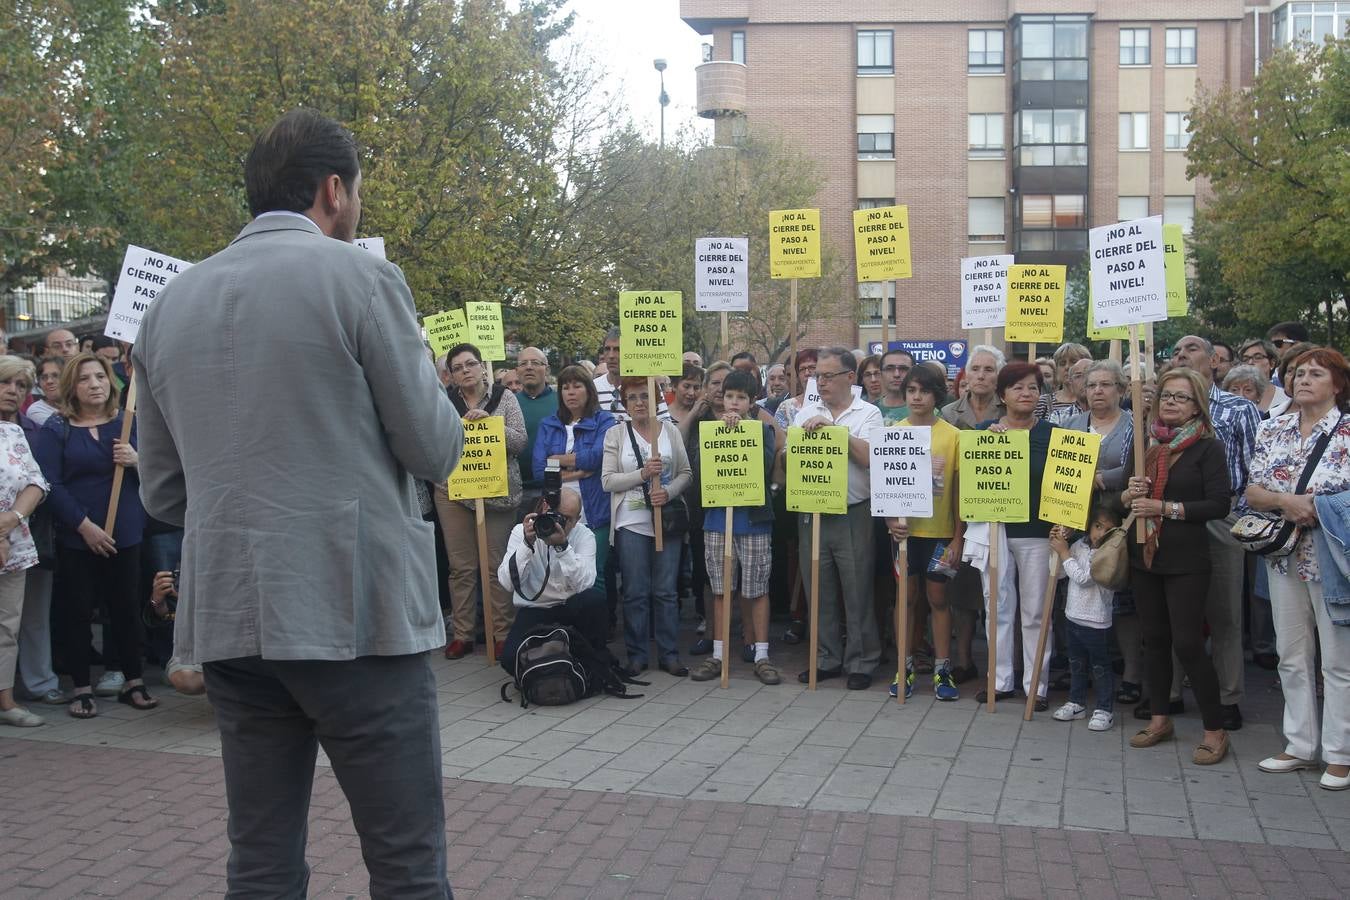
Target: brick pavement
{"points": [[102, 821]]}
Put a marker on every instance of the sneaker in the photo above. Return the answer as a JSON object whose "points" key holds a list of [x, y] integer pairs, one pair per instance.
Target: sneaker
{"points": [[706, 670], [796, 630], [767, 672], [944, 688], [20, 718], [52, 697], [1070, 711], [748, 653], [110, 684], [909, 684], [1101, 720], [702, 627], [701, 647]]}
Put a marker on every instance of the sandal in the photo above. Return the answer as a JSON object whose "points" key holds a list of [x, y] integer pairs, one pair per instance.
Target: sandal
{"points": [[1129, 693], [128, 697], [87, 709]]}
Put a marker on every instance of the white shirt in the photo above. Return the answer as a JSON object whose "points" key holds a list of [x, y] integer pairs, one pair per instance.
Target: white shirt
{"points": [[570, 569], [1088, 603], [860, 418], [634, 513]]}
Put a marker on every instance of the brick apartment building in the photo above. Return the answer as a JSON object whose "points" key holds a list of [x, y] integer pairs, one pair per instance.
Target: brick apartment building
{"points": [[1006, 126]]}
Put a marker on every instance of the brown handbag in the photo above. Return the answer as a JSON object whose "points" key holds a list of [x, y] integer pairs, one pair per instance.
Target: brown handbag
{"points": [[1110, 565]]}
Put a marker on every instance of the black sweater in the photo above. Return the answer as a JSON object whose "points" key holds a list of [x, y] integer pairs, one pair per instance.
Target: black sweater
{"points": [[1198, 479]]}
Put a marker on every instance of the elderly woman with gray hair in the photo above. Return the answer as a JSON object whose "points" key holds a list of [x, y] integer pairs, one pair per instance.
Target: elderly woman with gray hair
{"points": [[1252, 382]]}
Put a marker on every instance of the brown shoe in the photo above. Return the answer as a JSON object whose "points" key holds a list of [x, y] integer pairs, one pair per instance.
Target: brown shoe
{"points": [[458, 649], [1205, 755], [767, 672], [1148, 738], [706, 670]]}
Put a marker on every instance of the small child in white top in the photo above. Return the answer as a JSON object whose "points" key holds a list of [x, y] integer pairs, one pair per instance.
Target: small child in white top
{"points": [[1088, 629]]}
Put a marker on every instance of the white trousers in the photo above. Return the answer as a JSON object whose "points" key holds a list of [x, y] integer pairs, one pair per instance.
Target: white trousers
{"points": [[1023, 570], [1301, 622]]}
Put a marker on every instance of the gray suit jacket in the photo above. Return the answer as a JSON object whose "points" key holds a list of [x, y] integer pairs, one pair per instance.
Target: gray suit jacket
{"points": [[286, 403]]}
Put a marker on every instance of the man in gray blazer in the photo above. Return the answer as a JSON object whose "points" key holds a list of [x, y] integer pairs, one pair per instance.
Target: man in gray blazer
{"points": [[286, 405]]}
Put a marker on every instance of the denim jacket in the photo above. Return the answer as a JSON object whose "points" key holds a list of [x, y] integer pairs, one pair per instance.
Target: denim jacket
{"points": [[1333, 553], [589, 446]]}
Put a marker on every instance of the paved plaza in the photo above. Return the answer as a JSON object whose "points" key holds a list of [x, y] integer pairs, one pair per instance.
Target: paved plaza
{"points": [[697, 791]]}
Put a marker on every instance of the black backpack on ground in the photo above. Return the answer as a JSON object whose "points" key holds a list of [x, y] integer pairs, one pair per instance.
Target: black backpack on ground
{"points": [[556, 666]]}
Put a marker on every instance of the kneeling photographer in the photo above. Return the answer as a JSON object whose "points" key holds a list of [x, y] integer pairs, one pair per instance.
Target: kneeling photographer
{"points": [[550, 565]]}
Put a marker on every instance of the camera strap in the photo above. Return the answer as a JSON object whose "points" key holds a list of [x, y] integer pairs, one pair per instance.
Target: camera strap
{"points": [[515, 575]]}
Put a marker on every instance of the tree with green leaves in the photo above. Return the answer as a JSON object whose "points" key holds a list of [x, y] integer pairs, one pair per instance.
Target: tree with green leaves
{"points": [[1278, 158]]}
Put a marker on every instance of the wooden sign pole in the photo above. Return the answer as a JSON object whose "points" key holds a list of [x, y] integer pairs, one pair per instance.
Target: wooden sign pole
{"points": [[724, 346], [792, 363], [901, 617], [653, 403], [1137, 412], [995, 533], [886, 317], [724, 619], [1047, 613], [1031, 355], [1148, 351], [485, 576], [813, 660], [1113, 353], [989, 337], [128, 416]]}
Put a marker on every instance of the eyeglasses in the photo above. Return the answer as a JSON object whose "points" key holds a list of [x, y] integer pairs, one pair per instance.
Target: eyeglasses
{"points": [[1173, 397], [637, 398], [1253, 357], [897, 370], [823, 377], [465, 367], [532, 362]]}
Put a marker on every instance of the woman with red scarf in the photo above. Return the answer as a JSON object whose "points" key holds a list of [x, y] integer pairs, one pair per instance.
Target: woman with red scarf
{"points": [[1185, 484]]}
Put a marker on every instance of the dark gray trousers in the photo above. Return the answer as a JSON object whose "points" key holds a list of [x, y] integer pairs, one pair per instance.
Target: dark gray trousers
{"points": [[376, 718]]}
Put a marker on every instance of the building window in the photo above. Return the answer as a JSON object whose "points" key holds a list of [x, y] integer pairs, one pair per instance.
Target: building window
{"points": [[1176, 130], [875, 52], [986, 135], [875, 202], [1053, 211], [738, 47], [985, 219], [1051, 137], [1052, 48], [1310, 22], [1130, 208], [872, 295], [1179, 211], [876, 137], [1180, 47], [1134, 131], [1134, 46], [984, 52]]}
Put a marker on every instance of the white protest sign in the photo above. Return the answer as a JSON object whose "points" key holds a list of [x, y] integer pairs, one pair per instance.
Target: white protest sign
{"points": [[1129, 278], [144, 274], [902, 471], [722, 274], [373, 245], [984, 291]]}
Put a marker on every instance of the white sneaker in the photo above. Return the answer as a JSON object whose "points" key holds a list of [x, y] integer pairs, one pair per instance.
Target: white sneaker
{"points": [[1070, 711], [1101, 720], [53, 697], [110, 684], [20, 718], [702, 627]]}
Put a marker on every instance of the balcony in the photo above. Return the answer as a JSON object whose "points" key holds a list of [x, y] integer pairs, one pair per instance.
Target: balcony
{"points": [[721, 89]]}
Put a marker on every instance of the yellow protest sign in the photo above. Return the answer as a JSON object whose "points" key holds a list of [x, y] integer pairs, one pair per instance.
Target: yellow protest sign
{"points": [[881, 243], [1111, 332], [485, 329], [1035, 304], [482, 466], [817, 470], [1174, 268], [651, 333], [995, 473], [445, 330], [1066, 484], [731, 464], [794, 243]]}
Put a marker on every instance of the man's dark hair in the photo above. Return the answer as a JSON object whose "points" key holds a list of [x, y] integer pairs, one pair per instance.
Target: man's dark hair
{"points": [[845, 356], [611, 335], [744, 382], [1296, 330], [292, 157], [744, 354], [1232, 356], [462, 348], [896, 351], [927, 380]]}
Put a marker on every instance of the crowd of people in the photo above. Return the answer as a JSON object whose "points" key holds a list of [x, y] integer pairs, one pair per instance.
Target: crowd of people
{"points": [[1226, 432]]}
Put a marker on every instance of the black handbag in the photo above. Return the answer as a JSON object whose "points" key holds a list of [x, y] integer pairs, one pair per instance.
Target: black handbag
{"points": [[1271, 534], [675, 514]]}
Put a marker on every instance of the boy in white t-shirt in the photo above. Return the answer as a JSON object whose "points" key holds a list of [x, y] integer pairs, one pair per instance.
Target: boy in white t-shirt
{"points": [[1088, 612]]}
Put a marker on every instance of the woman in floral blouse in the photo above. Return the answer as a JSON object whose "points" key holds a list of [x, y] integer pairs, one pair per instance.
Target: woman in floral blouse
{"points": [[22, 488], [1321, 391]]}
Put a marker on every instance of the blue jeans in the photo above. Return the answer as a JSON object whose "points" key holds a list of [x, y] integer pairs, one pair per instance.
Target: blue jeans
{"points": [[649, 580], [1090, 651]]}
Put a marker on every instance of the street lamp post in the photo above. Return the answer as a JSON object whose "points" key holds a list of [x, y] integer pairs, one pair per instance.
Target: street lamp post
{"points": [[660, 65]]}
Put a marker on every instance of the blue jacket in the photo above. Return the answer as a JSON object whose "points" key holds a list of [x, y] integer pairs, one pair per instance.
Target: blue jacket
{"points": [[589, 447], [1333, 553]]}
